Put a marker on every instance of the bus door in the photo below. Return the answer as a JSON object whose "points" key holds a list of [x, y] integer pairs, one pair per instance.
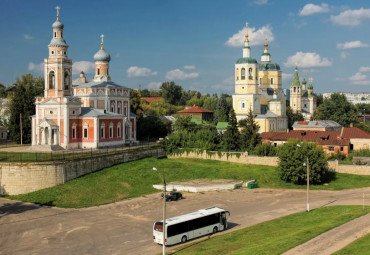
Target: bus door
{"points": [[224, 220]]}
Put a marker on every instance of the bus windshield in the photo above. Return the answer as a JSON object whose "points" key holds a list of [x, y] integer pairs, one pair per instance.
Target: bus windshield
{"points": [[158, 226]]}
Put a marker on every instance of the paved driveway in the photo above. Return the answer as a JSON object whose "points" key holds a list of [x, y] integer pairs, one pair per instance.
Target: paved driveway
{"points": [[126, 227]]}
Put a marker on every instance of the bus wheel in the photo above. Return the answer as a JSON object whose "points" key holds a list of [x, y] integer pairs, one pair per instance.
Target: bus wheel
{"points": [[184, 239], [215, 229]]}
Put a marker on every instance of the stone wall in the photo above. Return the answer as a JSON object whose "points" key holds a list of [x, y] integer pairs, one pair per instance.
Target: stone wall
{"points": [[242, 158], [19, 178]]}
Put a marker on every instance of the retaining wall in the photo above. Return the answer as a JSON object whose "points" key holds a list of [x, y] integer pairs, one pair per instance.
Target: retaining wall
{"points": [[18, 178]]}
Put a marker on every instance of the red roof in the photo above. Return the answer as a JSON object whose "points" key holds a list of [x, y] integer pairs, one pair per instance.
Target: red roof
{"points": [[151, 99], [320, 137], [195, 109], [354, 132]]}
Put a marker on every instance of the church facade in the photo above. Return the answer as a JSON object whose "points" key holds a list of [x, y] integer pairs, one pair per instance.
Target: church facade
{"points": [[80, 113], [258, 87], [302, 99]]}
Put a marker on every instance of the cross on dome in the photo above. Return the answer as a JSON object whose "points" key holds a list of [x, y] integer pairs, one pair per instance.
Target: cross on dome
{"points": [[310, 79], [102, 41], [58, 8], [246, 34]]}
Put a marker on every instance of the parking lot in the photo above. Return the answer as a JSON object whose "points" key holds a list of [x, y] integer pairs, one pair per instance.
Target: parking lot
{"points": [[126, 227]]}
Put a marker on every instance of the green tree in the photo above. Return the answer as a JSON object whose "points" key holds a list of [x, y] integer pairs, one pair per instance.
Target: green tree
{"points": [[231, 137], [135, 103], [293, 117], [210, 103], [338, 109], [249, 132], [266, 149], [22, 107], [293, 159], [171, 92], [183, 123], [150, 127], [145, 93]]}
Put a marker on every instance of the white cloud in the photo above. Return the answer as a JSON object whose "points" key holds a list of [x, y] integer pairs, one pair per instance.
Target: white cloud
{"points": [[154, 85], [226, 85], [117, 55], [307, 59], [351, 45], [135, 71], [310, 9], [351, 17], [344, 55], [189, 67], [359, 78], [39, 68], [28, 37], [256, 37], [83, 66], [287, 77], [365, 69], [178, 74], [260, 2]]}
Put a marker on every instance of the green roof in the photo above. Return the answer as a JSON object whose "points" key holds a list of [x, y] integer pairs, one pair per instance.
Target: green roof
{"points": [[295, 81], [310, 86], [246, 60], [197, 121], [304, 81], [264, 66], [222, 125]]}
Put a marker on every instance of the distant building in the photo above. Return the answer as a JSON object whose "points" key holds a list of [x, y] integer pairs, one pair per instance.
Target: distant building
{"points": [[258, 87], [317, 125], [353, 98], [302, 100], [197, 112], [152, 99]]}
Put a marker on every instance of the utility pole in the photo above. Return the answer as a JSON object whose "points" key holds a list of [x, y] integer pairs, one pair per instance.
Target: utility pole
{"points": [[20, 123]]}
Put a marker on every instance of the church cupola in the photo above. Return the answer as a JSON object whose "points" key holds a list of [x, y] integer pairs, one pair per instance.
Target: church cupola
{"points": [[295, 81], [246, 49], [310, 87], [58, 46], [101, 59], [266, 57], [58, 68]]}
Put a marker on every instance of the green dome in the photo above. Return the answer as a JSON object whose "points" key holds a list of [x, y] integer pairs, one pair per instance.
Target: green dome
{"points": [[246, 60], [304, 81], [268, 66], [310, 86]]}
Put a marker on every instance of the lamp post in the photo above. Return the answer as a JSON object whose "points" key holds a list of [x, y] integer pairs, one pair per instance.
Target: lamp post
{"points": [[364, 116], [308, 182], [164, 211]]}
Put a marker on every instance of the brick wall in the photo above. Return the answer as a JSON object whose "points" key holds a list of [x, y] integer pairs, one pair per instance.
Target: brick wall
{"points": [[19, 178]]}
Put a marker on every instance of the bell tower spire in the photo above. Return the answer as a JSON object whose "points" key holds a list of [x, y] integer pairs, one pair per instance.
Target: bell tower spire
{"points": [[58, 68], [246, 49]]}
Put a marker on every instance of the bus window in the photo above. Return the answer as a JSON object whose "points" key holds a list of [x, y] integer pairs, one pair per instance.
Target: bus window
{"points": [[158, 226]]}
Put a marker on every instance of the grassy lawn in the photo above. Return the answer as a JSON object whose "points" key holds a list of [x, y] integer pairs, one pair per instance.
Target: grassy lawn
{"points": [[360, 246], [283, 234], [136, 178]]}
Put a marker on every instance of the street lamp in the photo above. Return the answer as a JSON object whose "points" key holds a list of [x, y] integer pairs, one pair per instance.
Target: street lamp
{"points": [[308, 181], [164, 211], [364, 116]]}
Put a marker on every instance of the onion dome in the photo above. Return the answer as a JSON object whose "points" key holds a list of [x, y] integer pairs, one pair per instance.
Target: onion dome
{"points": [[246, 60], [102, 55], [57, 24], [295, 81], [304, 81], [58, 42], [268, 66], [310, 86]]}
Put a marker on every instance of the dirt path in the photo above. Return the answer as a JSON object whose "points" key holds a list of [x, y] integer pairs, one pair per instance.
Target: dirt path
{"points": [[335, 239], [126, 227]]}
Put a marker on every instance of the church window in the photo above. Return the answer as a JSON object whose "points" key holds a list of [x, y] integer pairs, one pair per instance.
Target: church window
{"points": [[73, 132], [250, 74], [125, 110], [119, 129], [272, 80], [51, 80], [61, 34], [305, 105], [119, 108], [111, 130], [65, 53], [55, 34], [294, 89], [243, 74], [98, 71], [260, 80], [66, 80], [102, 130], [112, 107], [52, 52], [85, 132]]}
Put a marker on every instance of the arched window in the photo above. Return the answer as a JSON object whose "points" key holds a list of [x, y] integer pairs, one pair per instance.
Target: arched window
{"points": [[243, 74], [119, 108], [112, 106], [66, 80], [102, 130], [119, 129], [111, 130], [55, 34], [294, 89], [250, 74], [51, 80], [237, 73], [272, 80], [98, 71]]}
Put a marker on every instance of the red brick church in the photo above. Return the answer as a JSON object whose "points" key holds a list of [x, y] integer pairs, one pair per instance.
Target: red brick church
{"points": [[82, 113]]}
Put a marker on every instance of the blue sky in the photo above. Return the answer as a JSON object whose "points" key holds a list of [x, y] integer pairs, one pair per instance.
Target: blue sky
{"points": [[193, 42]]}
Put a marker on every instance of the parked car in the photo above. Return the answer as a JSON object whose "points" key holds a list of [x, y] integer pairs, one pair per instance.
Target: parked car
{"points": [[173, 196]]}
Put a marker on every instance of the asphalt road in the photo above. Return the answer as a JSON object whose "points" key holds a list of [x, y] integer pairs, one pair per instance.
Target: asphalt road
{"points": [[126, 227]]}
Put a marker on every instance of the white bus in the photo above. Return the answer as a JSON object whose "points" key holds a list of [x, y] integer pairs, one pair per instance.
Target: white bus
{"points": [[192, 225]]}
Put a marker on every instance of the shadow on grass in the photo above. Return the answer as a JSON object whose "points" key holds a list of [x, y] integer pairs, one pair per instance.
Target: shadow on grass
{"points": [[329, 176]]}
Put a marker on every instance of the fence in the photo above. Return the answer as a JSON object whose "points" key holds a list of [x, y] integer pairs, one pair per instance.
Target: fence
{"points": [[7, 156]]}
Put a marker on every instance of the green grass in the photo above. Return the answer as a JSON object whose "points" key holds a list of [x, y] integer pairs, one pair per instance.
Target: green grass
{"points": [[360, 246], [276, 236], [134, 179]]}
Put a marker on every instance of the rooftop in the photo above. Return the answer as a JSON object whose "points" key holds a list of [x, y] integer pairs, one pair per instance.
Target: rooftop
{"points": [[195, 109]]}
